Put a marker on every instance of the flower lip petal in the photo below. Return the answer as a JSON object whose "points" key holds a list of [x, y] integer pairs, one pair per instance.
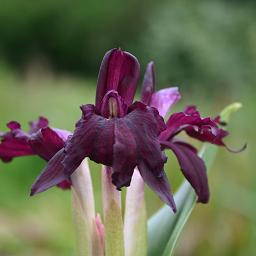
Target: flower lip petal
{"points": [[119, 71], [148, 85]]}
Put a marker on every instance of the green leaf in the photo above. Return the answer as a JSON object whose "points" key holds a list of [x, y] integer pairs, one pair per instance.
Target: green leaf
{"points": [[164, 228]]}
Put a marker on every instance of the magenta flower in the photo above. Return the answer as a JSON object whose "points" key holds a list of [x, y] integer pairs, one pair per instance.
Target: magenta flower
{"points": [[120, 134], [190, 121], [41, 140]]}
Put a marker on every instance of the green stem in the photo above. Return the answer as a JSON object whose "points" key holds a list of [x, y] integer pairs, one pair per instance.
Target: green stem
{"points": [[114, 240]]}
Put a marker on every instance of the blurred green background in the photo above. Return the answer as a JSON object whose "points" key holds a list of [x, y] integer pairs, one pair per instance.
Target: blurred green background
{"points": [[50, 52]]}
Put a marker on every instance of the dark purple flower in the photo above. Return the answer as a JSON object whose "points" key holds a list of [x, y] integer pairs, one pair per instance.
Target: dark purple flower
{"points": [[122, 135], [41, 140], [115, 132]]}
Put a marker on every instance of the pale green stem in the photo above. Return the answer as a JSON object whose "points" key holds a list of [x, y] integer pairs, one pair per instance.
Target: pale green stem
{"points": [[114, 240], [83, 208], [135, 221]]}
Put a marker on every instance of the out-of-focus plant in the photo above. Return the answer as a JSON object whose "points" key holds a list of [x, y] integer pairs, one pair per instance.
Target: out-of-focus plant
{"points": [[129, 140]]}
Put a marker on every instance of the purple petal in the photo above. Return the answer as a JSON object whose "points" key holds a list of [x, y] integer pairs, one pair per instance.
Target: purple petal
{"points": [[35, 126], [93, 137], [190, 121], [125, 155], [119, 71], [46, 143], [158, 184], [148, 85], [117, 142], [132, 146], [164, 99], [13, 125], [51, 175], [14, 143], [63, 134], [192, 167]]}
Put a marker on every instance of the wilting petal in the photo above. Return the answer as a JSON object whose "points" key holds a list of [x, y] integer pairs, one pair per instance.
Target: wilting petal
{"points": [[51, 175], [46, 143], [164, 99], [158, 184], [14, 143], [190, 121], [192, 167], [148, 85], [35, 126], [119, 71], [113, 105]]}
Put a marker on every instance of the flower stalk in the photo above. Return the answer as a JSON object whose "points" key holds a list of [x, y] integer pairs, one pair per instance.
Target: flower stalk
{"points": [[111, 197], [135, 220], [83, 208]]}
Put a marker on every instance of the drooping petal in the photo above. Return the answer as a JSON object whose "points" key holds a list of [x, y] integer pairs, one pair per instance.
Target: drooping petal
{"points": [[158, 184], [14, 143], [46, 143], [119, 71], [192, 167], [35, 126], [164, 99], [190, 121], [148, 85], [135, 141], [51, 175], [125, 155]]}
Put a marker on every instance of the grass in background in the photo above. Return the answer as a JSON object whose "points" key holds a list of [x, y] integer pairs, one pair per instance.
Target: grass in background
{"points": [[42, 225]]}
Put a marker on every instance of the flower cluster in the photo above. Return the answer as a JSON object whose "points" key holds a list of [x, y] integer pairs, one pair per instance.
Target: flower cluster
{"points": [[121, 134]]}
